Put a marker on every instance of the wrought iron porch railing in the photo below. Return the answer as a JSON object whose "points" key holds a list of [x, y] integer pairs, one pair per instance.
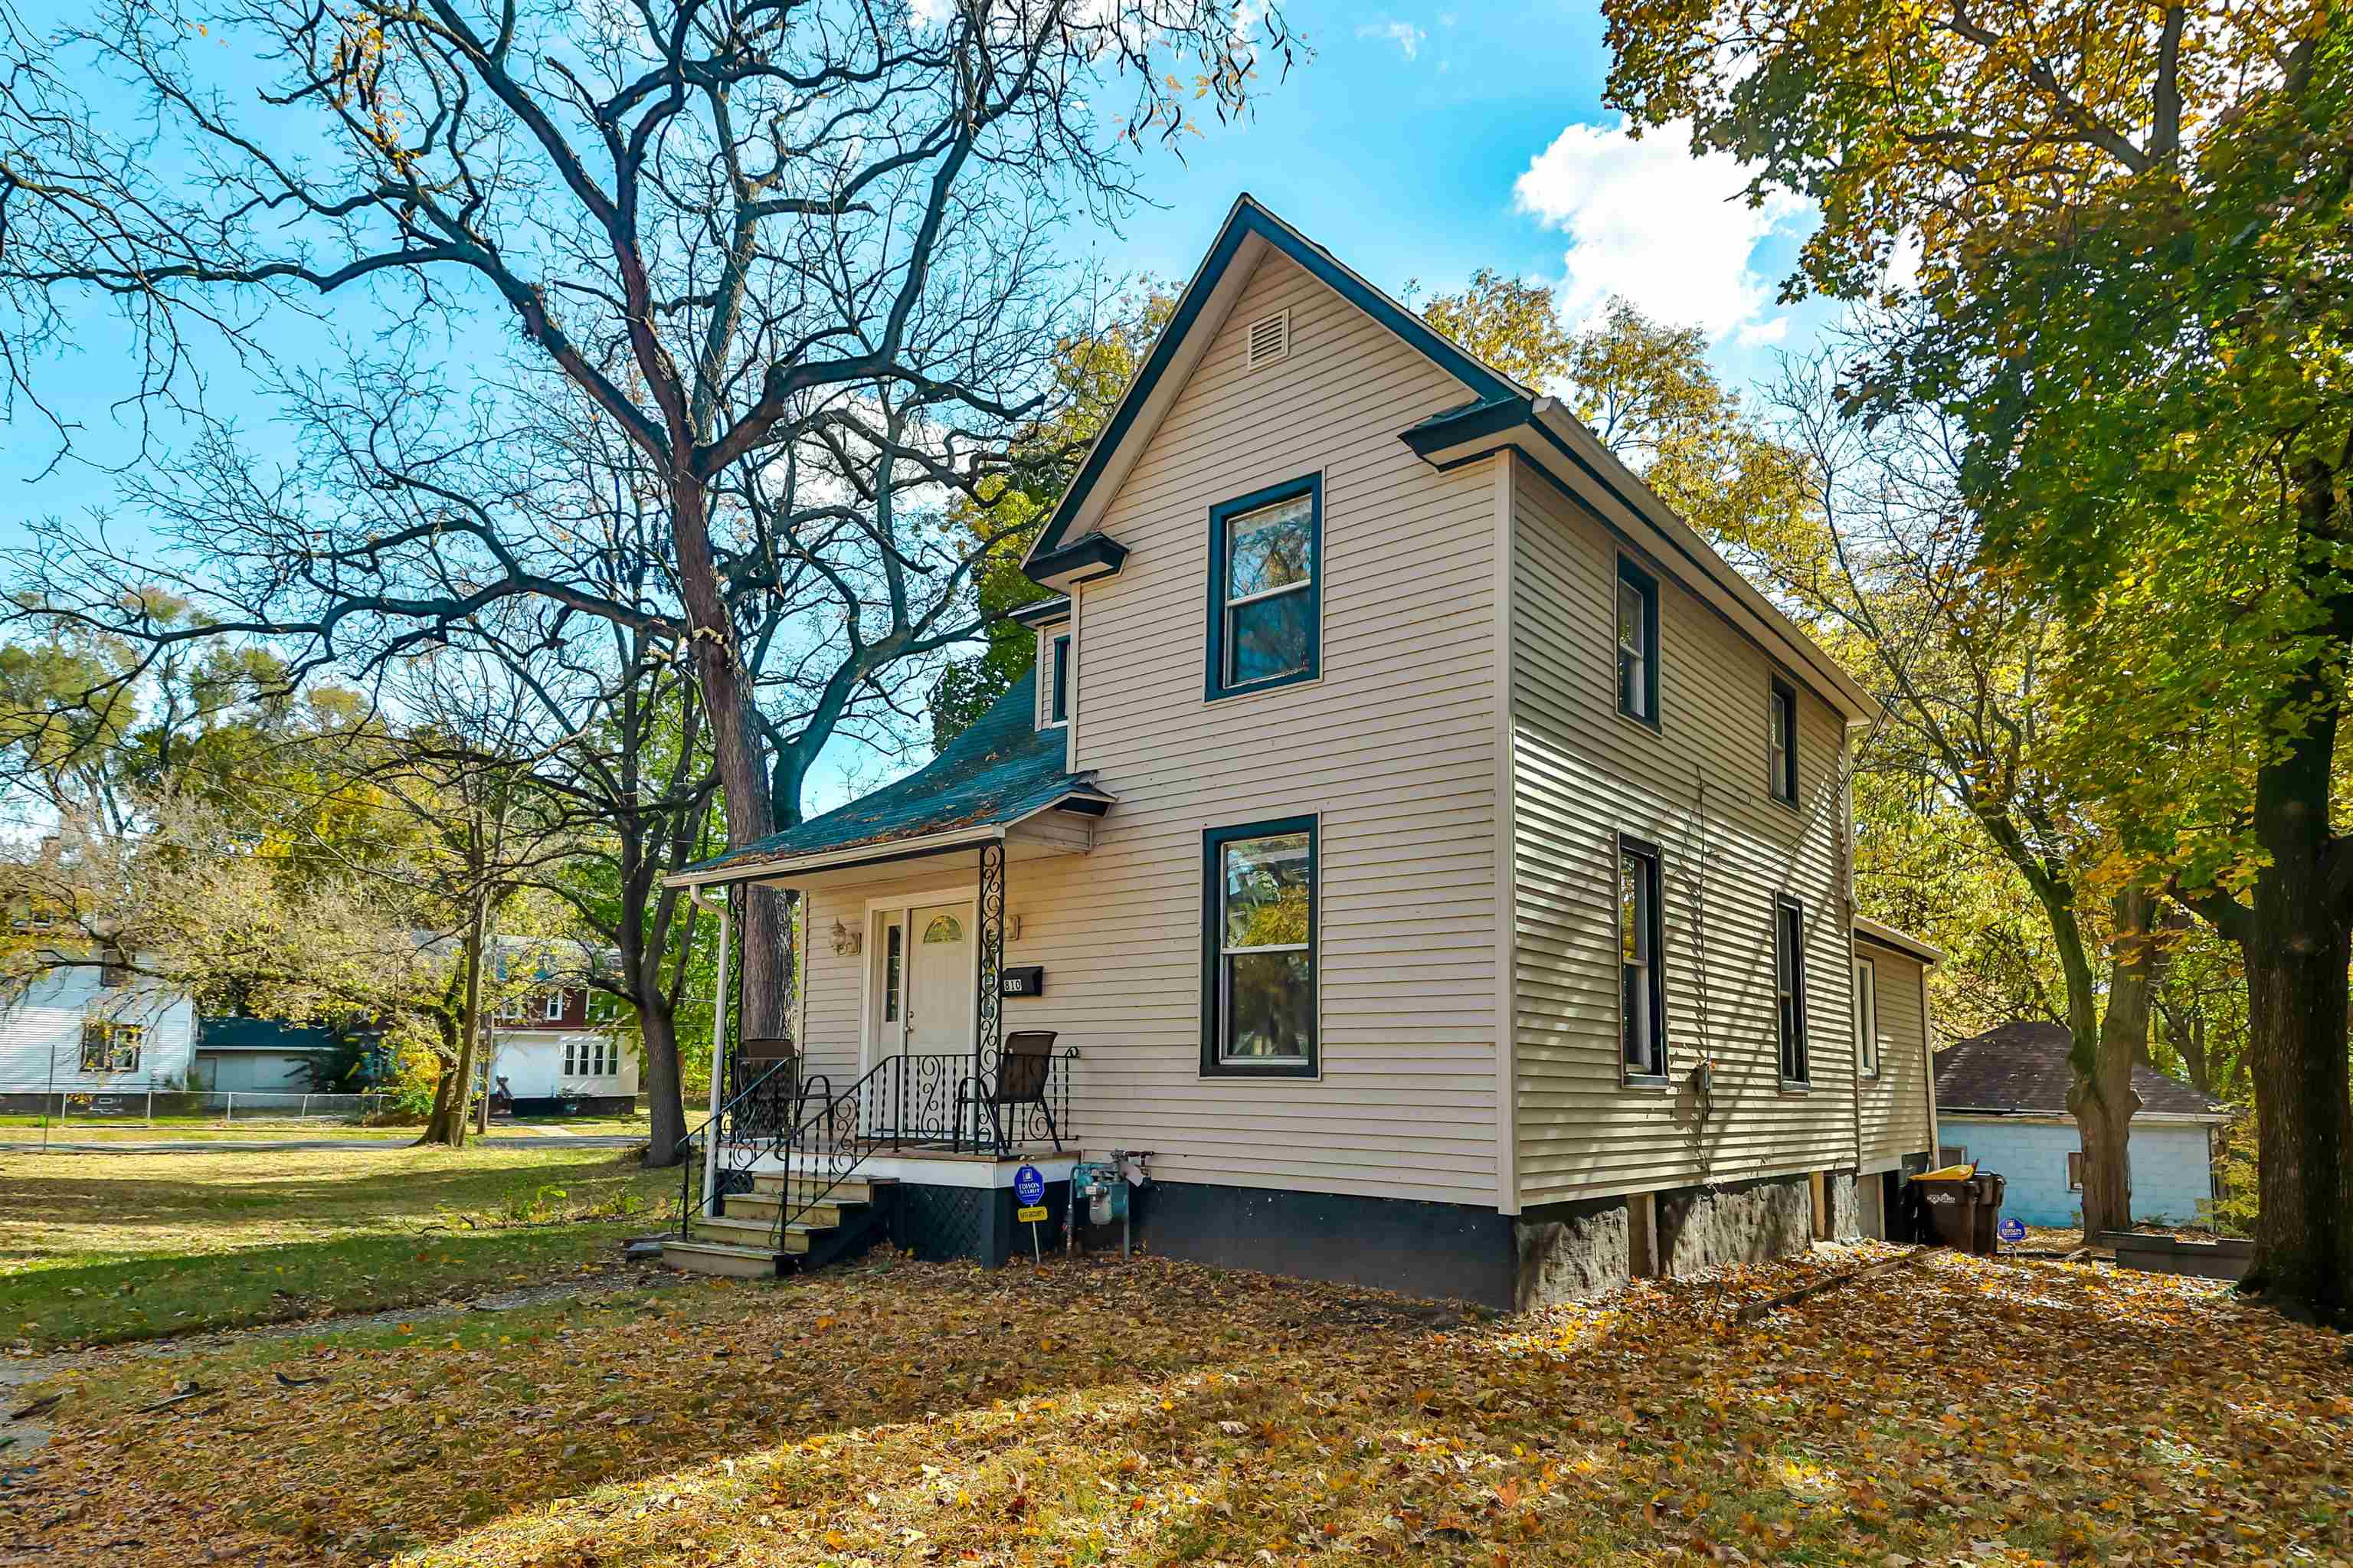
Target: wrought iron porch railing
{"points": [[763, 1111], [919, 1101], [905, 1102]]}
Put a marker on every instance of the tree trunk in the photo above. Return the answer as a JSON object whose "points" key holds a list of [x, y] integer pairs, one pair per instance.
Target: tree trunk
{"points": [[2100, 1095], [666, 1112], [447, 1124], [763, 973], [2296, 948]]}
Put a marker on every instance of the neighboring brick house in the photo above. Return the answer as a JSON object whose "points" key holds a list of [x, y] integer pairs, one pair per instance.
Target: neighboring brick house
{"points": [[558, 1060], [2001, 1101]]}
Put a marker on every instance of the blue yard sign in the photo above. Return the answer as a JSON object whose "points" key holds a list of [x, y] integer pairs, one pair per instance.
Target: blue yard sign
{"points": [[2012, 1230], [1028, 1187]]}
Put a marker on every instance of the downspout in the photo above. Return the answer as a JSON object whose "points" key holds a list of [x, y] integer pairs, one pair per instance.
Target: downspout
{"points": [[718, 1051]]}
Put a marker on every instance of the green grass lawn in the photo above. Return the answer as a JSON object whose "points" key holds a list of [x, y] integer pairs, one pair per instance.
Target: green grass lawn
{"points": [[27, 1128], [98, 1248]]}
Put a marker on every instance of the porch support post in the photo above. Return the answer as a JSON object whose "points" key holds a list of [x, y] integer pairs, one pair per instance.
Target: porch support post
{"points": [[988, 1034], [718, 1054]]}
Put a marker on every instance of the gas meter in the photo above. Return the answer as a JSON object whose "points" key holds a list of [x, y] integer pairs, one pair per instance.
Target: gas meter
{"points": [[1099, 1194]]}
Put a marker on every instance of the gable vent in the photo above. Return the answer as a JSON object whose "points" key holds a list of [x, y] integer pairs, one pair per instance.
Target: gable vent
{"points": [[1269, 338]]}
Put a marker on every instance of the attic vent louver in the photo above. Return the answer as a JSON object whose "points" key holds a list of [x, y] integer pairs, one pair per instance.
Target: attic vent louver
{"points": [[1269, 338]]}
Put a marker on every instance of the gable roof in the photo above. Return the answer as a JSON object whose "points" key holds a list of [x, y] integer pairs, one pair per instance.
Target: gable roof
{"points": [[1248, 232], [2020, 1069], [1500, 412], [1001, 769]]}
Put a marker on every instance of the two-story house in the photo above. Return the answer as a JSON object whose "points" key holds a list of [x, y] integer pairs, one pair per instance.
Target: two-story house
{"points": [[555, 1057], [1413, 836]]}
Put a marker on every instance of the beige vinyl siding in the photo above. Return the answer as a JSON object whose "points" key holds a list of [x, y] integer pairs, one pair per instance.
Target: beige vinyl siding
{"points": [[1894, 1107], [1393, 747], [1697, 788]]}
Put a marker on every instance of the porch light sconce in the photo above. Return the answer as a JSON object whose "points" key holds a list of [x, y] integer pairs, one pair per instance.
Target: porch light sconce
{"points": [[1013, 927], [846, 942]]}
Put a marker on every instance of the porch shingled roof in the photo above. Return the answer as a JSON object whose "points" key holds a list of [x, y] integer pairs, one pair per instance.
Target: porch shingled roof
{"points": [[999, 770]]}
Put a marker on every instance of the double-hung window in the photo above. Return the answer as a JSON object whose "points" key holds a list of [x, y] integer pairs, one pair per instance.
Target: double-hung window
{"points": [[1265, 589], [1641, 998], [1781, 741], [1638, 643], [110, 1047], [1866, 1018], [1790, 990], [551, 1008], [1258, 949], [1059, 711]]}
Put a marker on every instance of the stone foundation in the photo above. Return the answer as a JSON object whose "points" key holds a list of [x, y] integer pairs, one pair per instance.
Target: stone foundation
{"points": [[1569, 1252], [1744, 1221]]}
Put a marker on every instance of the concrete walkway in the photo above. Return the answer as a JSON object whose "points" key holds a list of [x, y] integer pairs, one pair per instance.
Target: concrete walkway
{"points": [[255, 1146]]}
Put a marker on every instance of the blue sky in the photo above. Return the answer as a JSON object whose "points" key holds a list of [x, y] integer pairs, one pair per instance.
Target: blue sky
{"points": [[1418, 143]]}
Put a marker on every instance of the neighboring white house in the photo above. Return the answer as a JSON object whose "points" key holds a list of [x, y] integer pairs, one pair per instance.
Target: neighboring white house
{"points": [[1413, 834], [2001, 1099], [556, 1060], [94, 1031]]}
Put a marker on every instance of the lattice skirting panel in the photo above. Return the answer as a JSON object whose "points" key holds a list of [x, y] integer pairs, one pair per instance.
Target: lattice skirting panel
{"points": [[943, 1222]]}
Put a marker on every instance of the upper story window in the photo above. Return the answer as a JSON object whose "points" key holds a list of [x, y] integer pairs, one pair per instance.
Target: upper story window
{"points": [[1057, 710], [1789, 991], [1258, 949], [552, 1007], [1265, 588], [1781, 740], [1638, 642], [1642, 1025], [1866, 1017]]}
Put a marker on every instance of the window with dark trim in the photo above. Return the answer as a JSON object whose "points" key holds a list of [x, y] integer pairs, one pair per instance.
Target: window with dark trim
{"points": [[1781, 741], [1059, 709], [1790, 990], [1638, 643], [1641, 990], [1266, 588], [1258, 949], [1866, 1018]]}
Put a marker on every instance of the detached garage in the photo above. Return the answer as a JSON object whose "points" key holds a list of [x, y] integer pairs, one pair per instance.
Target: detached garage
{"points": [[244, 1055]]}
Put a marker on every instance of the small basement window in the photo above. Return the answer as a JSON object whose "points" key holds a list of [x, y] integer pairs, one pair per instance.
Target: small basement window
{"points": [[1638, 643]]}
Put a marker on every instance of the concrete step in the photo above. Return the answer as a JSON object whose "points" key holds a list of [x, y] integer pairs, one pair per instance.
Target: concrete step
{"points": [[771, 1184], [718, 1257], [764, 1206], [757, 1233]]}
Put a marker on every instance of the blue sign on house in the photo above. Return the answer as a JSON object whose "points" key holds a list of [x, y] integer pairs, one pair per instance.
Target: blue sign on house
{"points": [[1028, 1187]]}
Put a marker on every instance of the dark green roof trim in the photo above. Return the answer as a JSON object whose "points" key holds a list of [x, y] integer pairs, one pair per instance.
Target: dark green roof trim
{"points": [[1250, 218], [1472, 421], [998, 771], [1055, 609], [1084, 560]]}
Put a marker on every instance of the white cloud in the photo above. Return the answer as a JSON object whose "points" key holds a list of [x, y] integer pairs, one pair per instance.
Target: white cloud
{"points": [[1404, 34], [1758, 335], [1669, 231]]}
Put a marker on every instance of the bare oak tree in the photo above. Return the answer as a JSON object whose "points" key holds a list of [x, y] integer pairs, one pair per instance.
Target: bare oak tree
{"points": [[797, 261]]}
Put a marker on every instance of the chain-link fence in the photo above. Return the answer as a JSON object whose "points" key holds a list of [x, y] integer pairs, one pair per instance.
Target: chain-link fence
{"points": [[167, 1107]]}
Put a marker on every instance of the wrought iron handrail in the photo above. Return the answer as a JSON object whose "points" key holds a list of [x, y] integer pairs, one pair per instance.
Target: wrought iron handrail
{"points": [[720, 1119], [822, 1152]]}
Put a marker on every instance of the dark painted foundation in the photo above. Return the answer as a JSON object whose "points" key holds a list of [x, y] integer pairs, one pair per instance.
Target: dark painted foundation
{"points": [[1447, 1250], [529, 1107]]}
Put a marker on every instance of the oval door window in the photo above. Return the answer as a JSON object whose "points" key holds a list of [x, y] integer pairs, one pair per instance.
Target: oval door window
{"points": [[943, 928]]}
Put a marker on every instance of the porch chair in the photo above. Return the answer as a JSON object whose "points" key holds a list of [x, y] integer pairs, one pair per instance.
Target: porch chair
{"points": [[1021, 1076]]}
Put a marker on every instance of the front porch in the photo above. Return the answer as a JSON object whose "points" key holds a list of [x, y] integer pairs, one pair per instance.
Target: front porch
{"points": [[902, 1081]]}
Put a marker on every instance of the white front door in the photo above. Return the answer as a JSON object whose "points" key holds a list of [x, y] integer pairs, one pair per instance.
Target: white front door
{"points": [[938, 1008]]}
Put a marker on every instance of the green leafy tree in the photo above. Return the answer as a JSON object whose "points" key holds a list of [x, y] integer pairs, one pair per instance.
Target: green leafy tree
{"points": [[2125, 227]]}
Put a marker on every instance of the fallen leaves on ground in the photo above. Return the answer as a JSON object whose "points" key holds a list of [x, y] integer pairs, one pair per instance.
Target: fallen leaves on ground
{"points": [[1955, 1409]]}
